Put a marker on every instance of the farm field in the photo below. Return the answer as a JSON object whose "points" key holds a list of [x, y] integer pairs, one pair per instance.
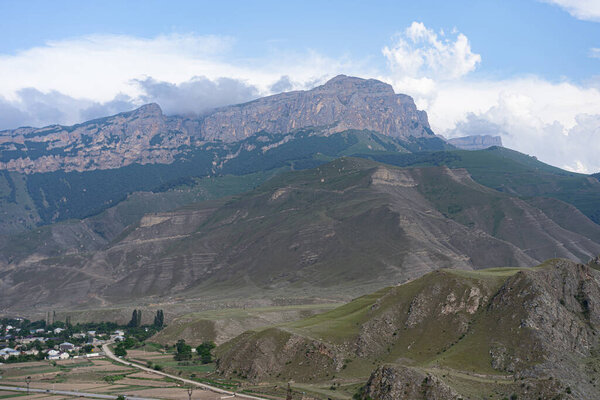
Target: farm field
{"points": [[92, 376]]}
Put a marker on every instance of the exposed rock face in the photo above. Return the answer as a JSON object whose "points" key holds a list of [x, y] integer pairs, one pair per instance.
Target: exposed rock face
{"points": [[143, 136], [146, 136], [259, 356], [340, 104], [551, 323], [476, 142], [403, 383]]}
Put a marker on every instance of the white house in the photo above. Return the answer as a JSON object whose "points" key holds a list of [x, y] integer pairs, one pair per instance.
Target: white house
{"points": [[58, 330], [7, 352], [60, 356]]}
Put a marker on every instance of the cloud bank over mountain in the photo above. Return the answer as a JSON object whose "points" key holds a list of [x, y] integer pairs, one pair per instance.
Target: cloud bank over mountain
{"points": [[76, 79]]}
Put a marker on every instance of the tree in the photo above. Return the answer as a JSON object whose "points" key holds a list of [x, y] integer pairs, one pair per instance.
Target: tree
{"points": [[136, 319], [50, 343], [120, 350], [183, 351], [204, 352], [159, 319]]}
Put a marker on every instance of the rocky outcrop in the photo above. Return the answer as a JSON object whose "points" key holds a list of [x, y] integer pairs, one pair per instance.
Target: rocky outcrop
{"points": [[476, 142], [146, 136], [395, 382], [538, 328], [275, 353], [340, 104]]}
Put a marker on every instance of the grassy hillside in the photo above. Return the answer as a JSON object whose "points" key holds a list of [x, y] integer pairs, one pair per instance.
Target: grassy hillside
{"points": [[512, 172], [472, 333]]}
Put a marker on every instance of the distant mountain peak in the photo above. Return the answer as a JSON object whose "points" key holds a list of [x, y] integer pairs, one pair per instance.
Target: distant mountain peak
{"points": [[476, 142], [351, 83], [147, 136], [150, 109]]}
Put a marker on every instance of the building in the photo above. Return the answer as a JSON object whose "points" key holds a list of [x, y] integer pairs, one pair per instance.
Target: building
{"points": [[66, 346], [58, 330], [7, 352], [60, 356]]}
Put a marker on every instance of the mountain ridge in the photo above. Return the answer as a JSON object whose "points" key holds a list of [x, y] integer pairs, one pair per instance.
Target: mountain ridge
{"points": [[147, 136], [322, 227]]}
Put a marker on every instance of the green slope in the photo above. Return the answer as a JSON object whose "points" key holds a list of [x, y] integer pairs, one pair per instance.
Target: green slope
{"points": [[512, 172], [475, 331]]}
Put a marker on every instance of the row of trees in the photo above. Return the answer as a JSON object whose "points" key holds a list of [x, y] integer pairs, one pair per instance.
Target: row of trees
{"points": [[136, 319]]}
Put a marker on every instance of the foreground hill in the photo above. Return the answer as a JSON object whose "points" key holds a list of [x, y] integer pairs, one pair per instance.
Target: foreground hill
{"points": [[332, 232], [532, 333]]}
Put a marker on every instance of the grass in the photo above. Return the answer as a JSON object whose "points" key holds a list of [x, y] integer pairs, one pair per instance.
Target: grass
{"points": [[341, 322]]}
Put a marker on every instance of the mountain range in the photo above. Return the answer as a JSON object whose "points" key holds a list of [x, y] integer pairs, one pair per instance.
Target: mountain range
{"points": [[342, 193], [147, 136]]}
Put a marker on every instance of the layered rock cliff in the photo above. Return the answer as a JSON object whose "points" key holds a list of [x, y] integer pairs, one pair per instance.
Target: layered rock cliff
{"points": [[476, 142], [147, 136], [340, 104]]}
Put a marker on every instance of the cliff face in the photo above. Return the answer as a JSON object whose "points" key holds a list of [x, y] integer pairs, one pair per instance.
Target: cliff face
{"points": [[340, 104], [146, 136], [143, 136], [476, 142]]}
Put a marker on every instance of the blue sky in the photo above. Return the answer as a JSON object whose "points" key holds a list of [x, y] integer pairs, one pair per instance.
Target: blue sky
{"points": [[527, 70], [514, 37]]}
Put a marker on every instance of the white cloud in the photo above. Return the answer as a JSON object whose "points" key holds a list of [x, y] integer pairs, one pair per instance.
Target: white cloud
{"points": [[595, 52], [77, 79], [184, 73], [421, 53], [558, 122], [588, 10]]}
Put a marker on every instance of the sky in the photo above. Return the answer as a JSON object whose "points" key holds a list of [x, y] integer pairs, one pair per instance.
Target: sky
{"points": [[527, 70]]}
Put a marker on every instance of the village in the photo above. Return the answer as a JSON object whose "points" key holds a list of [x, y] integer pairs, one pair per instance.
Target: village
{"points": [[22, 340]]}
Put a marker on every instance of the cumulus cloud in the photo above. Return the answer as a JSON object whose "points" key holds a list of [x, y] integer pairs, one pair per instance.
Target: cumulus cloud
{"points": [[32, 107], [284, 84], [555, 121], [197, 95], [588, 10], [89, 75], [419, 52]]}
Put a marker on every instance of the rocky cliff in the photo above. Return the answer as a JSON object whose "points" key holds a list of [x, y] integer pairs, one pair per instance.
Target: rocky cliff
{"points": [[477, 142], [340, 104], [146, 136]]}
